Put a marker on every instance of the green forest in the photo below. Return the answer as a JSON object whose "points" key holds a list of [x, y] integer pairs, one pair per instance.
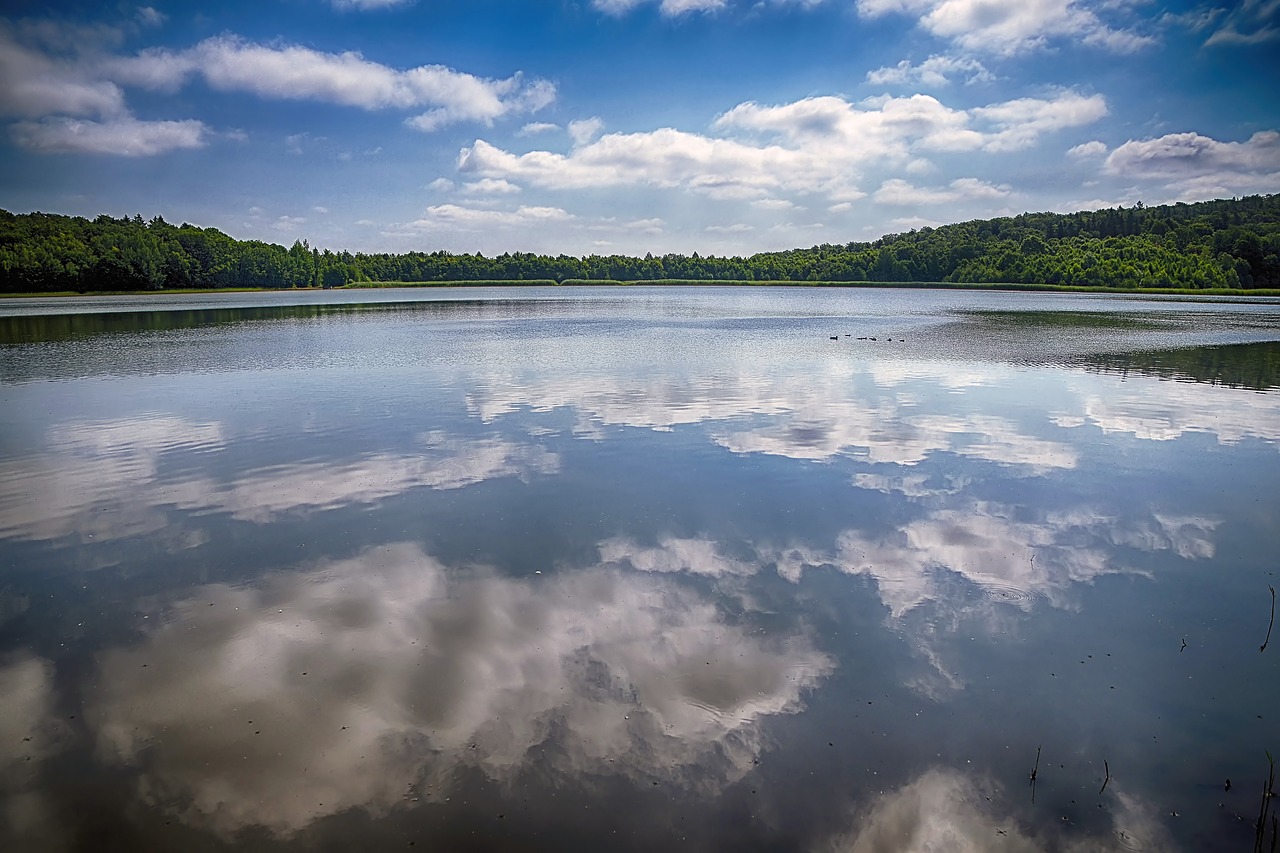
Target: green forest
{"points": [[1230, 243]]}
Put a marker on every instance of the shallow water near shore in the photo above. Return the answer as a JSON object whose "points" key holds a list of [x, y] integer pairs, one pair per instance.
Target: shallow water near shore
{"points": [[637, 568]]}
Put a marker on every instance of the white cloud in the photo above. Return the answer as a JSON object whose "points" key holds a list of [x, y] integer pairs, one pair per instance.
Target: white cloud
{"points": [[490, 186], [441, 185], [1011, 26], [390, 670], [469, 218], [294, 72], [821, 145], [651, 225], [366, 5], [1093, 148], [38, 85], [535, 127], [149, 16], [934, 72], [898, 192], [127, 137], [585, 130], [773, 204], [669, 8], [1019, 123], [913, 223], [1199, 166]]}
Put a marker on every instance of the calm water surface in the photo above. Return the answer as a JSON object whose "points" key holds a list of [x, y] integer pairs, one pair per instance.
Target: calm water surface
{"points": [[636, 569]]}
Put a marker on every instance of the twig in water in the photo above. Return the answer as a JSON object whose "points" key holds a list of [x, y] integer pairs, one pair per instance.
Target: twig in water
{"points": [[1184, 645], [1106, 767], [1268, 792], [1272, 623], [1034, 771]]}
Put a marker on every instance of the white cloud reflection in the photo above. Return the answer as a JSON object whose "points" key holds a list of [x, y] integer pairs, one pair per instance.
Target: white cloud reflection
{"points": [[948, 810], [103, 479], [388, 673], [1007, 558], [1230, 414], [29, 733]]}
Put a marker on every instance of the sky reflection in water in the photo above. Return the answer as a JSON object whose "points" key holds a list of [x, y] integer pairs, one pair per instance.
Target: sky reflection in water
{"points": [[634, 570]]}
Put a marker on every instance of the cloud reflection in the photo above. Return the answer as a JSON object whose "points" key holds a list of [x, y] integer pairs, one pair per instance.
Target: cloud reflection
{"points": [[29, 733], [878, 411], [365, 679], [948, 810], [1230, 414], [88, 482], [103, 479], [1006, 558]]}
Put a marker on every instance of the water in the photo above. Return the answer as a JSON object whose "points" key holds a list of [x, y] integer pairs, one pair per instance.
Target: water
{"points": [[627, 568]]}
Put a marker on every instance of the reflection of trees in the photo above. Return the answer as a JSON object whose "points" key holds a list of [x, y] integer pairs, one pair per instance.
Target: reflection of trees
{"points": [[1255, 366], [30, 328]]}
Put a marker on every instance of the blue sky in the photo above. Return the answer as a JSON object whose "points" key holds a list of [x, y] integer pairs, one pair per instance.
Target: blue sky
{"points": [[629, 126]]}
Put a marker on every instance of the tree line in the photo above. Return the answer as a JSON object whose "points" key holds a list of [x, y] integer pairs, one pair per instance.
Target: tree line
{"points": [[1229, 243]]}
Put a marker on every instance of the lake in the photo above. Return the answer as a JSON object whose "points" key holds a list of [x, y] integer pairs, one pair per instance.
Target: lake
{"points": [[626, 568]]}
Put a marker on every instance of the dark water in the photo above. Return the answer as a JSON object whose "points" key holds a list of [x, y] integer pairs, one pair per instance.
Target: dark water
{"points": [[637, 569]]}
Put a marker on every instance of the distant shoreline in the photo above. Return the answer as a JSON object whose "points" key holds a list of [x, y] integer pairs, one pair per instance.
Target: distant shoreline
{"points": [[679, 283]]}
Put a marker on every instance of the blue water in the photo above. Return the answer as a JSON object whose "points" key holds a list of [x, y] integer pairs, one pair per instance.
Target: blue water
{"points": [[637, 568]]}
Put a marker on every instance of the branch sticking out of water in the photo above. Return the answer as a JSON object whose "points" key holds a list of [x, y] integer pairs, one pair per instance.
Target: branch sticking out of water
{"points": [[1268, 794], [1272, 623], [1106, 767], [1034, 772]]}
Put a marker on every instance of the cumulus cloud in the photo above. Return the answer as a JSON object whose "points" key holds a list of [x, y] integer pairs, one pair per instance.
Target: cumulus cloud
{"points": [[294, 72], [1012, 26], [936, 71], [388, 672], [1201, 166], [815, 145]]}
